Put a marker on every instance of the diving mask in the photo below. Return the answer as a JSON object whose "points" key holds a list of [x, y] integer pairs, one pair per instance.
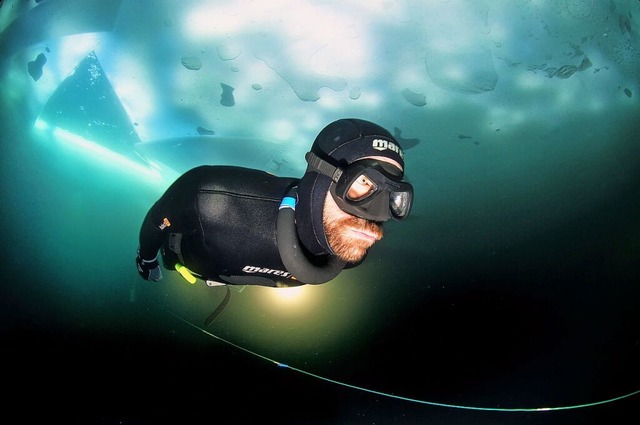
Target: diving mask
{"points": [[367, 188]]}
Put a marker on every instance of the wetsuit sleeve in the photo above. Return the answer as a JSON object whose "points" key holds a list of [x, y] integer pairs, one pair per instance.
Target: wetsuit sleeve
{"points": [[168, 213], [151, 234]]}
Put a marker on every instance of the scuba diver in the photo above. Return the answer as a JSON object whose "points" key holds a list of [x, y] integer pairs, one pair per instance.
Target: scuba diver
{"points": [[234, 225]]}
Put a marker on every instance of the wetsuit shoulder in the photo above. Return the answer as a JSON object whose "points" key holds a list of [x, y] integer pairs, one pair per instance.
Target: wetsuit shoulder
{"points": [[243, 181]]}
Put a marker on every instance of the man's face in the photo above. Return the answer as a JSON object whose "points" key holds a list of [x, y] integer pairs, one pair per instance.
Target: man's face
{"points": [[349, 236]]}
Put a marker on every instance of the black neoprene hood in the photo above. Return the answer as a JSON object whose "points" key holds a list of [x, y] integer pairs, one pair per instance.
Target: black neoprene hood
{"points": [[340, 143]]}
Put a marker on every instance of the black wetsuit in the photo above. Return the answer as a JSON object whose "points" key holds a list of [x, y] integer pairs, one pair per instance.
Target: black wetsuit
{"points": [[220, 222]]}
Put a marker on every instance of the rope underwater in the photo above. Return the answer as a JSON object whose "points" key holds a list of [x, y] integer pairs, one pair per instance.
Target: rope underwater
{"points": [[398, 397]]}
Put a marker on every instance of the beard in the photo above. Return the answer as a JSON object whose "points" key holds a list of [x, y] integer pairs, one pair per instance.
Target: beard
{"points": [[342, 241]]}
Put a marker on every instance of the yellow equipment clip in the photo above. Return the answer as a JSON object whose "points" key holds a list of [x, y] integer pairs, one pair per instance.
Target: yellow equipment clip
{"points": [[185, 273]]}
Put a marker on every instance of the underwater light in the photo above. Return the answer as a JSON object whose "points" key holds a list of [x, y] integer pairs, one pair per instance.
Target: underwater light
{"points": [[289, 294], [96, 152], [295, 302]]}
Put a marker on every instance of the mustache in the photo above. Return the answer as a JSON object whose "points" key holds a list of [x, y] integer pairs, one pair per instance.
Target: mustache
{"points": [[363, 225]]}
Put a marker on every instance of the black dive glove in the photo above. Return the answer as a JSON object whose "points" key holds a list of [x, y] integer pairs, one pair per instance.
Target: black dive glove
{"points": [[149, 269]]}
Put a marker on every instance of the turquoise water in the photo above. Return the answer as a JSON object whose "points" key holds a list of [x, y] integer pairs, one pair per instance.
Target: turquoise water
{"points": [[514, 284]]}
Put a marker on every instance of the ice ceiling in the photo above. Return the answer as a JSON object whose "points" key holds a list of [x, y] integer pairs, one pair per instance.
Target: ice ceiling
{"points": [[280, 70], [497, 91]]}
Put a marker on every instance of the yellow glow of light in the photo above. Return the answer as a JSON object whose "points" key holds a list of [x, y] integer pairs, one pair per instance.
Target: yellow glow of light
{"points": [[289, 295], [297, 301]]}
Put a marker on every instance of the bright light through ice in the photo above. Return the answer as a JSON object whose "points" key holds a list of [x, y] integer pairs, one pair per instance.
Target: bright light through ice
{"points": [[96, 151], [314, 35], [456, 73], [530, 81], [213, 19], [131, 83], [280, 129], [69, 52]]}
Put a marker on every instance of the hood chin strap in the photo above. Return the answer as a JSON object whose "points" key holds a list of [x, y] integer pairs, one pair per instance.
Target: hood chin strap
{"points": [[291, 252]]}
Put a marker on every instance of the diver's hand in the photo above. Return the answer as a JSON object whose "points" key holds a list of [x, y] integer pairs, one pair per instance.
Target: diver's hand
{"points": [[149, 269]]}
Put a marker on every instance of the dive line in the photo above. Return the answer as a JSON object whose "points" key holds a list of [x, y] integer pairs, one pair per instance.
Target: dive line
{"points": [[398, 397]]}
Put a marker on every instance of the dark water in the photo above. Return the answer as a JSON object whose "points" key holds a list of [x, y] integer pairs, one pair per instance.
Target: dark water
{"points": [[547, 321]]}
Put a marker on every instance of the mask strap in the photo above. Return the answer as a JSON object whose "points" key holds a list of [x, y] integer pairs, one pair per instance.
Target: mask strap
{"points": [[323, 167]]}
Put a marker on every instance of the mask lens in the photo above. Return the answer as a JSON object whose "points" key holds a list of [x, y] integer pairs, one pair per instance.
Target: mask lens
{"points": [[361, 188], [399, 203]]}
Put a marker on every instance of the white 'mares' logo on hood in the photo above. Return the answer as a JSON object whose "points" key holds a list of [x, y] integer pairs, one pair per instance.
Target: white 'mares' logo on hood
{"points": [[381, 145]]}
